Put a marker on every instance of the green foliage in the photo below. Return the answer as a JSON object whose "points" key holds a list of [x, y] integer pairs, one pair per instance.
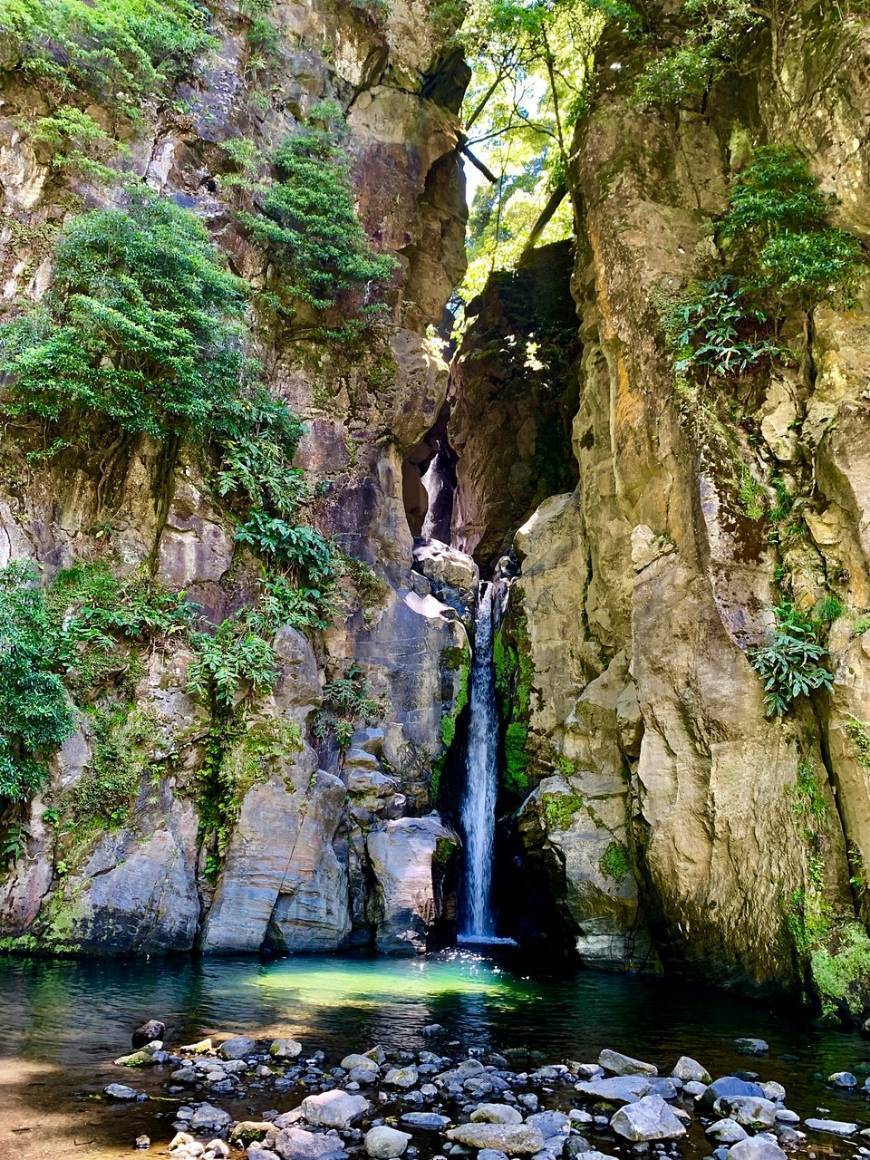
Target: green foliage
{"points": [[347, 704], [777, 234], [713, 36], [829, 609], [449, 720], [241, 755], [91, 611], [560, 809], [807, 800], [114, 51], [307, 221], [615, 862], [715, 329], [859, 734], [841, 971], [789, 665], [299, 548], [76, 143], [233, 660], [35, 715], [751, 494], [138, 326], [123, 744], [13, 843], [781, 253], [516, 778]]}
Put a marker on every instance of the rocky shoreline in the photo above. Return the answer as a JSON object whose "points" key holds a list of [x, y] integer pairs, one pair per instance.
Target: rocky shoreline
{"points": [[385, 1104]]}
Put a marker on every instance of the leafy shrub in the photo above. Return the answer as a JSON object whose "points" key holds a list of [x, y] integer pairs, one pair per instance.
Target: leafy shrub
{"points": [[347, 703], [91, 610], [776, 231], [138, 326], [714, 328], [76, 142], [232, 659], [112, 50], [300, 548], [789, 665], [841, 971], [780, 253], [307, 221], [35, 716], [710, 40]]}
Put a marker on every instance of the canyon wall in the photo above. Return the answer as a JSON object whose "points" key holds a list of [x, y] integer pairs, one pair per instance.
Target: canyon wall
{"points": [[318, 846], [641, 765]]}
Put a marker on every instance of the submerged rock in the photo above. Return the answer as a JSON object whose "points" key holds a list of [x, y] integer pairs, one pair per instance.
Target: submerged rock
{"points": [[425, 1121], [748, 1046], [120, 1091]]}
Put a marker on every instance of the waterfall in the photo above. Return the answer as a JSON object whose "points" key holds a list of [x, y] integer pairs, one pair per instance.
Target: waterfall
{"points": [[481, 777]]}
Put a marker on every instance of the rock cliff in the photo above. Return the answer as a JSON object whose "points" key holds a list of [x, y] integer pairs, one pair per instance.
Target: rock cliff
{"points": [[643, 767], [272, 835]]}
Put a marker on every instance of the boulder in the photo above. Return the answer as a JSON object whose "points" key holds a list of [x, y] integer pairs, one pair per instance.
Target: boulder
{"points": [[208, 1118], [514, 1139], [148, 1032], [401, 1077], [120, 1091], [549, 1124], [689, 1070], [334, 1109], [496, 1114], [285, 1049], [752, 1111], [843, 1079], [756, 1148], [403, 856], [385, 1143], [296, 1144], [649, 1118], [239, 1047], [425, 1121], [726, 1131], [619, 1064], [728, 1085], [356, 1062], [256, 1151]]}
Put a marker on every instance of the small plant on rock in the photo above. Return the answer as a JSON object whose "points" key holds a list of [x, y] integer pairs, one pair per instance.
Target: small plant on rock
{"points": [[789, 665], [347, 704]]}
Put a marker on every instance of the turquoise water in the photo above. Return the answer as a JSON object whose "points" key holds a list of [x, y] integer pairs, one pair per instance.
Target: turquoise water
{"points": [[62, 1022]]}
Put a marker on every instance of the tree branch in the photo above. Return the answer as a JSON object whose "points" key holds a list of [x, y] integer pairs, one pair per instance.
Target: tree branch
{"points": [[553, 202]]}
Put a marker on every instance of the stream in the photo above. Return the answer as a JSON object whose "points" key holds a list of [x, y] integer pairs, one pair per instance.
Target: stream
{"points": [[63, 1021]]}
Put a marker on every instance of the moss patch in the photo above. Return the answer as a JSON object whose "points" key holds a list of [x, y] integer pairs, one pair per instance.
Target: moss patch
{"points": [[560, 809], [614, 862]]}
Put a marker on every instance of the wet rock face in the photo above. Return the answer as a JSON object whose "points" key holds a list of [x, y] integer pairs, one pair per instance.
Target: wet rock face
{"points": [[291, 873]]}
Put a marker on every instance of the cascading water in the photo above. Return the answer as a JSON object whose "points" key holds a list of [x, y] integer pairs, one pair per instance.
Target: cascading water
{"points": [[481, 778]]}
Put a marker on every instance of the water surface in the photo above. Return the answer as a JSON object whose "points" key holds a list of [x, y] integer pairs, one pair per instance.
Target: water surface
{"points": [[62, 1023]]}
